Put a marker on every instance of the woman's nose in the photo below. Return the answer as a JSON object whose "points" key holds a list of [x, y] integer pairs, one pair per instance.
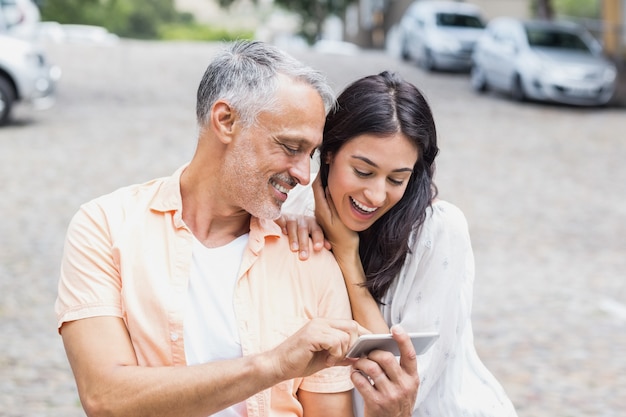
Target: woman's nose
{"points": [[376, 193]]}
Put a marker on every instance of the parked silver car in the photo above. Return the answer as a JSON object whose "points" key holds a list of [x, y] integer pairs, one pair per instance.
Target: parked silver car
{"points": [[19, 18], [25, 75], [543, 60], [440, 34]]}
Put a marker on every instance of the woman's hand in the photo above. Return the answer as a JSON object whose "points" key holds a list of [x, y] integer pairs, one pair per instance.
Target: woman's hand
{"points": [[344, 242], [389, 387], [345, 245]]}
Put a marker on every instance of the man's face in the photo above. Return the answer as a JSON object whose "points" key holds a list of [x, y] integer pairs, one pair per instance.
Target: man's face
{"points": [[271, 157]]}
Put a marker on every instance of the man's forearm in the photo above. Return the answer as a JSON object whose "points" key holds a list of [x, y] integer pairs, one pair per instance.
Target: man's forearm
{"points": [[111, 383], [198, 390]]}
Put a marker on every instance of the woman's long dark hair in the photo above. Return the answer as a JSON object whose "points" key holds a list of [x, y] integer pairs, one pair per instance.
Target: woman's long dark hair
{"points": [[385, 104]]}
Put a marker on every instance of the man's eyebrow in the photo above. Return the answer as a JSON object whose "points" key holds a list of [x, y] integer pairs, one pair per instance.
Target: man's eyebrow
{"points": [[372, 163]]}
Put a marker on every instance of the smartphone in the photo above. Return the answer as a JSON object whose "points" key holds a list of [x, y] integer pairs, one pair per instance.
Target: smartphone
{"points": [[368, 342]]}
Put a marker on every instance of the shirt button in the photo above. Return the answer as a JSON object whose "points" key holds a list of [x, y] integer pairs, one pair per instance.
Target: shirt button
{"points": [[173, 337]]}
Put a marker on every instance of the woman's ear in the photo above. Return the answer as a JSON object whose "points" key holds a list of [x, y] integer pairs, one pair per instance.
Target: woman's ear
{"points": [[223, 119], [328, 158]]}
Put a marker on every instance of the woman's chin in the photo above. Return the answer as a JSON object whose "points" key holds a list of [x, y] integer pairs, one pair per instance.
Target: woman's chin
{"points": [[356, 225]]}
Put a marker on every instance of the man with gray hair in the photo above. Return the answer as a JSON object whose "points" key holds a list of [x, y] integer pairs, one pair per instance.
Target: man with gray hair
{"points": [[180, 296]]}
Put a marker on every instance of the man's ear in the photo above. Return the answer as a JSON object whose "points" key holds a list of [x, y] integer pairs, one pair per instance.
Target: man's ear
{"points": [[223, 119]]}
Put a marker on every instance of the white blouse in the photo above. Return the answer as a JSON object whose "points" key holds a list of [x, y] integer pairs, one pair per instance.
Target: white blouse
{"points": [[434, 293]]}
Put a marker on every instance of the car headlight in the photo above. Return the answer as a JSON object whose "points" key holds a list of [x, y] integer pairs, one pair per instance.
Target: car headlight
{"points": [[55, 73], [34, 59], [610, 74]]}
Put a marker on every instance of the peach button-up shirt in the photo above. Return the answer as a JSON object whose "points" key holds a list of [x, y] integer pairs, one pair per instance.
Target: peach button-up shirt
{"points": [[128, 254]]}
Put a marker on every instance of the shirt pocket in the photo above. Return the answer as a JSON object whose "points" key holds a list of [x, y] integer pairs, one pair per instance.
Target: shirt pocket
{"points": [[279, 328]]}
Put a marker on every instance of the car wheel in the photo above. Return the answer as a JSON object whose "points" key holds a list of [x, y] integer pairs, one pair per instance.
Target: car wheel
{"points": [[404, 51], [428, 63], [517, 89], [7, 97], [478, 79]]}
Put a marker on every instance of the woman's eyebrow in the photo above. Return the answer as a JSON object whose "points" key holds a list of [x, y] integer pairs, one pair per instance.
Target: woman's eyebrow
{"points": [[372, 163]]}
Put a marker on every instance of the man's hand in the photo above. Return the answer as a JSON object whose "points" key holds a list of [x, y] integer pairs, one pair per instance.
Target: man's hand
{"points": [[388, 387], [319, 344], [299, 228]]}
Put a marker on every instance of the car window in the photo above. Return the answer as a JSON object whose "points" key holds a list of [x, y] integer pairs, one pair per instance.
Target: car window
{"points": [[458, 20], [554, 38]]}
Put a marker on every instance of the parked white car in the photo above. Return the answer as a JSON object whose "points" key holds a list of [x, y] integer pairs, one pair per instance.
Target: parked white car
{"points": [[25, 76], [543, 60], [88, 34], [440, 34], [20, 18]]}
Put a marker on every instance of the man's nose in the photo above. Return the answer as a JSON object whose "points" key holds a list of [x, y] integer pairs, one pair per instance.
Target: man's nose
{"points": [[301, 170]]}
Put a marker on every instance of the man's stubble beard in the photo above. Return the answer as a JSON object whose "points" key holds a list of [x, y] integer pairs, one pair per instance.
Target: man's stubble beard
{"points": [[249, 189]]}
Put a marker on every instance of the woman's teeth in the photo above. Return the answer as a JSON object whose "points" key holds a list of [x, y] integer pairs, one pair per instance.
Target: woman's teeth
{"points": [[361, 207]]}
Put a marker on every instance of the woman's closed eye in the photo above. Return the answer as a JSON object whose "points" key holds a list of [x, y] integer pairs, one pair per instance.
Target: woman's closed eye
{"points": [[395, 181], [362, 174], [366, 174]]}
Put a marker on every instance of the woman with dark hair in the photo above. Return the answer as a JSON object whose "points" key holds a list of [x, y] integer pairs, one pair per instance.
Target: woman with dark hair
{"points": [[406, 256]]}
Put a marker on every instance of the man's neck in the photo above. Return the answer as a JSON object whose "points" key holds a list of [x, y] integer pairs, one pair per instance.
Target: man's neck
{"points": [[214, 233], [205, 211]]}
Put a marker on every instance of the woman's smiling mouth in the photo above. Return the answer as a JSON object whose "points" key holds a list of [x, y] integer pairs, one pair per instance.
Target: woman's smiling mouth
{"points": [[362, 208]]}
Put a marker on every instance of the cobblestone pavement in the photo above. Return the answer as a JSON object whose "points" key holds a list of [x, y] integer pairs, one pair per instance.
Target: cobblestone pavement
{"points": [[543, 188]]}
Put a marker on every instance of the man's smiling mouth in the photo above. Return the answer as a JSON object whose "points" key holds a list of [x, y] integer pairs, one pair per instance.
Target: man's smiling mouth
{"points": [[279, 187]]}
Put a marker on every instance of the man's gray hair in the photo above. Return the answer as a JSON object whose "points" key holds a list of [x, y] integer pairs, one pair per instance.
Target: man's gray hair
{"points": [[246, 76]]}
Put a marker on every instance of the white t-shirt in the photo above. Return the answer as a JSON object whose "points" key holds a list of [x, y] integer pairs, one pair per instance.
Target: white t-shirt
{"points": [[211, 332]]}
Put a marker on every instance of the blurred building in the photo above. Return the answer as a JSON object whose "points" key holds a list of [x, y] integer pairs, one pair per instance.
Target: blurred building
{"points": [[242, 14], [614, 27], [368, 21]]}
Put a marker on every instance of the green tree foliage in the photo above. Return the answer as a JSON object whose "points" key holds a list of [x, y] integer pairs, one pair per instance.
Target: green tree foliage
{"points": [[129, 18], [579, 8], [548, 9], [312, 13]]}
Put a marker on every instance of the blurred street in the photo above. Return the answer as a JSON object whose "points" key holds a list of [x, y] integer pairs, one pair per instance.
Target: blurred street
{"points": [[542, 187]]}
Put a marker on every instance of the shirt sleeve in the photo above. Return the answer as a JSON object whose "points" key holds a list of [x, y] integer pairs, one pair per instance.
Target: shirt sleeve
{"points": [[90, 283], [434, 291]]}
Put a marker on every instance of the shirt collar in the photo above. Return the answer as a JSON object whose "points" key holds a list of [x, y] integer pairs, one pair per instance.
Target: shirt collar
{"points": [[169, 198]]}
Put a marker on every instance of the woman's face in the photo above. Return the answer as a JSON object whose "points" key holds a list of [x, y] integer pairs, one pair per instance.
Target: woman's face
{"points": [[368, 176]]}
